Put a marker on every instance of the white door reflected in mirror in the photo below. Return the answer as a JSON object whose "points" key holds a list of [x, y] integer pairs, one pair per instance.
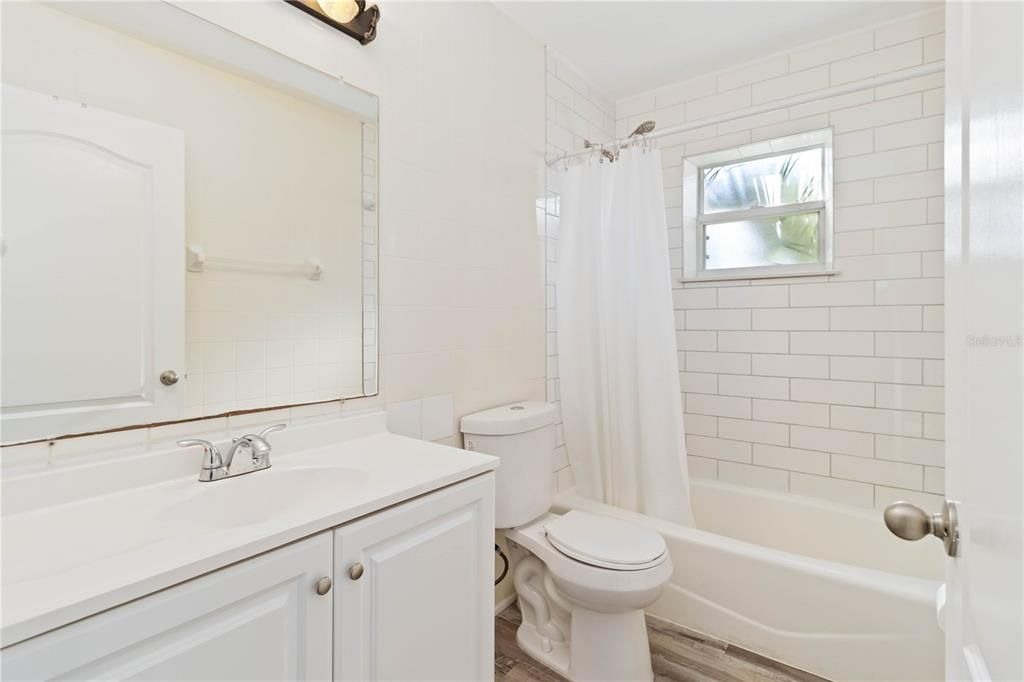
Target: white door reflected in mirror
{"points": [[93, 289]]}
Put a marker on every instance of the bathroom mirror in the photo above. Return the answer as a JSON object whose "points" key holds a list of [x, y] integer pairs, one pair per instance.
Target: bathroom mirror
{"points": [[189, 222]]}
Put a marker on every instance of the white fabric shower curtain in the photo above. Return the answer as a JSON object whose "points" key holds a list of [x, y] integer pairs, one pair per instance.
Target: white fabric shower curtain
{"points": [[618, 368]]}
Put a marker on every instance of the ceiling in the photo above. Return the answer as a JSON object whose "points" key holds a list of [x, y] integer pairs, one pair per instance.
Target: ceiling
{"points": [[628, 47]]}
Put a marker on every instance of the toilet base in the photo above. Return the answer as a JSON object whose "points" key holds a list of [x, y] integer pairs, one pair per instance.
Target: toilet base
{"points": [[574, 641], [601, 647], [553, 655], [585, 622], [609, 646]]}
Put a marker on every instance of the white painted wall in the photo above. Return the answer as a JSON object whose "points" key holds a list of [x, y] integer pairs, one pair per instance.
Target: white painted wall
{"points": [[462, 116], [832, 386], [461, 168]]}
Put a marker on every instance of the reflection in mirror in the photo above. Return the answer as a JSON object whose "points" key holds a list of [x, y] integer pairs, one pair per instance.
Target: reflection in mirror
{"points": [[189, 223]]}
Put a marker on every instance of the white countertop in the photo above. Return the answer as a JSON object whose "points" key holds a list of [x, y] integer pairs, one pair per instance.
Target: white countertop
{"points": [[63, 562]]}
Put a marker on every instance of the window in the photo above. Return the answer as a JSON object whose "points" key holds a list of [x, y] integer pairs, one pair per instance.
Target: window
{"points": [[761, 210]]}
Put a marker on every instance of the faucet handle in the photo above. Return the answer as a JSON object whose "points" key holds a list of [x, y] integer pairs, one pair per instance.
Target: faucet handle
{"points": [[271, 429], [211, 455], [259, 447]]}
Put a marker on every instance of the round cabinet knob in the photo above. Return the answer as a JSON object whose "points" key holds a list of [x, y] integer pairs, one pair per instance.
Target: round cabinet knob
{"points": [[323, 586], [355, 571], [169, 377]]}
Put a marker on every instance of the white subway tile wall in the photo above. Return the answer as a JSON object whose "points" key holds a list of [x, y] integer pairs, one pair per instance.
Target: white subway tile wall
{"points": [[575, 112], [829, 387], [371, 259]]}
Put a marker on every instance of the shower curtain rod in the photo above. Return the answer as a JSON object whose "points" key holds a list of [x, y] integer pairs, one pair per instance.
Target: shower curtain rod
{"points": [[857, 86]]}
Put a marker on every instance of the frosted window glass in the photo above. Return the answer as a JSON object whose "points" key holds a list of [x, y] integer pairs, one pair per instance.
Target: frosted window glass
{"points": [[781, 240], [763, 183]]}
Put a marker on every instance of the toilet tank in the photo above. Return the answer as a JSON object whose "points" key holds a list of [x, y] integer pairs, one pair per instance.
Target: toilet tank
{"points": [[523, 437]]}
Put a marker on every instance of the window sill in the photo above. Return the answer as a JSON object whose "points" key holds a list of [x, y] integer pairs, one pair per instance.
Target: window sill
{"points": [[773, 275]]}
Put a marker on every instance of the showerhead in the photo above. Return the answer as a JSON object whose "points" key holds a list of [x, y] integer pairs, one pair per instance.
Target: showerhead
{"points": [[643, 128]]}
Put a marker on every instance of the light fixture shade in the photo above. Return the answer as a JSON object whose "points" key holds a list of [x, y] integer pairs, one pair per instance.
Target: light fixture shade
{"points": [[341, 11], [357, 19]]}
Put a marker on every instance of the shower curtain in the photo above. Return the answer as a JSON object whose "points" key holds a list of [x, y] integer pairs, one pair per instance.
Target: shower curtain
{"points": [[618, 368]]}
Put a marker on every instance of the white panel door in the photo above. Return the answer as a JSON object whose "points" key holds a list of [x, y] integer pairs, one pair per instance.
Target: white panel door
{"points": [[984, 326], [423, 606], [93, 289], [261, 619]]}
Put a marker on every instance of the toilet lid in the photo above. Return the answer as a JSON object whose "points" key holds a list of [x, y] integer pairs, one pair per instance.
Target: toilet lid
{"points": [[605, 542]]}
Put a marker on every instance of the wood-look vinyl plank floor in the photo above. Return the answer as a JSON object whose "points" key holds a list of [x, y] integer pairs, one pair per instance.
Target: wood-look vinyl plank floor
{"points": [[677, 655]]}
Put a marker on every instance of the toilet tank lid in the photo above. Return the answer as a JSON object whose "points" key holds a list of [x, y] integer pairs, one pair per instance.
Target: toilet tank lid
{"points": [[510, 419]]}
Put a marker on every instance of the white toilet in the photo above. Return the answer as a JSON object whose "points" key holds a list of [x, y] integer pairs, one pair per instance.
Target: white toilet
{"points": [[583, 580]]}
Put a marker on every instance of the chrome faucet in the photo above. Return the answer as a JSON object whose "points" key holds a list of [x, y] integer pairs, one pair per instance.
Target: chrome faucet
{"points": [[214, 467]]}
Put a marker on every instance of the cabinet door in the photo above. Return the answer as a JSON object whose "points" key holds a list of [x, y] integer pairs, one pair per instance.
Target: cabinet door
{"points": [[423, 607], [257, 620]]}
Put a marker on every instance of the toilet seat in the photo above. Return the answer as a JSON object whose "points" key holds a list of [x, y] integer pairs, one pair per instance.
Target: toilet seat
{"points": [[605, 542], [615, 588]]}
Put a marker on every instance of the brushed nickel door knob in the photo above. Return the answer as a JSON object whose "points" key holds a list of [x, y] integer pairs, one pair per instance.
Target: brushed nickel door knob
{"points": [[323, 586], [169, 377], [910, 522], [355, 571]]}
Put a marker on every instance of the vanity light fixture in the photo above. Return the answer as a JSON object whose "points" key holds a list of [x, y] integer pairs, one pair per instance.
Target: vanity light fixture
{"points": [[342, 11], [352, 17]]}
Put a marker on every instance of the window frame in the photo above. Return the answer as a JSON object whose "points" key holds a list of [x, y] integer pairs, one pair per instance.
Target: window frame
{"points": [[695, 221]]}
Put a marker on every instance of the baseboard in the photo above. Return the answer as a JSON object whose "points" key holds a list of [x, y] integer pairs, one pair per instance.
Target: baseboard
{"points": [[504, 603]]}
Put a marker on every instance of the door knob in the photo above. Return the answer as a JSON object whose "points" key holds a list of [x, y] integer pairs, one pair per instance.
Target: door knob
{"points": [[323, 586], [909, 522], [169, 377], [355, 571]]}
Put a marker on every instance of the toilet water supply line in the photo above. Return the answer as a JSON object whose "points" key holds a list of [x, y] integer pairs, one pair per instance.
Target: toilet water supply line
{"points": [[549, 583], [504, 559], [856, 86]]}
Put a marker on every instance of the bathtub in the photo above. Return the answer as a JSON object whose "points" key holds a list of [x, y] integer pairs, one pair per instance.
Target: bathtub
{"points": [[818, 586]]}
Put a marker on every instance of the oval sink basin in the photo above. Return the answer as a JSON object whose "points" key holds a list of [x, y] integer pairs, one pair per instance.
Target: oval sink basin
{"points": [[260, 496]]}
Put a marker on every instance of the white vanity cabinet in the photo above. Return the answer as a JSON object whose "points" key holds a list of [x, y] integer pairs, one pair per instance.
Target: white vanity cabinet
{"points": [[419, 606], [259, 619], [414, 589]]}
